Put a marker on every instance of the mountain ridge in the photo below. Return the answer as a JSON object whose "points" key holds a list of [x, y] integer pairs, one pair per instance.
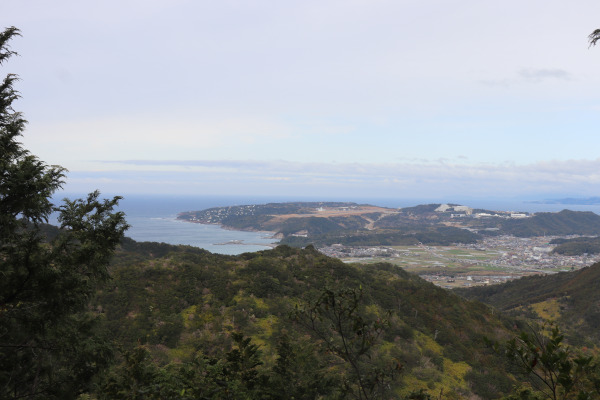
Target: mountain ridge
{"points": [[574, 295], [177, 300]]}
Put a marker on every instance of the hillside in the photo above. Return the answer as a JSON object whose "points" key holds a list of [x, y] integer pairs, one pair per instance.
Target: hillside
{"points": [[570, 298], [577, 246], [565, 222], [430, 235], [181, 302], [291, 218], [326, 223]]}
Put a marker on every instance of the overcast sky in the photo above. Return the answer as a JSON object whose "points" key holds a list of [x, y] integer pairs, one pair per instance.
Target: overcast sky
{"points": [[420, 99]]}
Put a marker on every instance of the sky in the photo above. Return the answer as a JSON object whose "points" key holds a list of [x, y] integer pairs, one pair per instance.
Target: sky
{"points": [[431, 99]]}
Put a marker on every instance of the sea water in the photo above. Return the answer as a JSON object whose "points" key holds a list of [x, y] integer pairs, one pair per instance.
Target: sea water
{"points": [[153, 218]]}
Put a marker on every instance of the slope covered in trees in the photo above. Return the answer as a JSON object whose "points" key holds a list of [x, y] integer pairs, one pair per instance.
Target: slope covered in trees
{"points": [[577, 246], [434, 236], [566, 222], [570, 298], [188, 305]]}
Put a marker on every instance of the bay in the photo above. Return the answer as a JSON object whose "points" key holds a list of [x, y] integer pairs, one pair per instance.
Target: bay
{"points": [[154, 219]]}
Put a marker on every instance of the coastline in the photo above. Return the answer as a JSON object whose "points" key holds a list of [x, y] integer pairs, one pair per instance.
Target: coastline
{"points": [[242, 243], [152, 226], [268, 234]]}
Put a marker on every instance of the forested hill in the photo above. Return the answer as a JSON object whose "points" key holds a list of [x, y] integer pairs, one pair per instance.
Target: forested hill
{"points": [[324, 223], [566, 222], [183, 304], [570, 298], [577, 246]]}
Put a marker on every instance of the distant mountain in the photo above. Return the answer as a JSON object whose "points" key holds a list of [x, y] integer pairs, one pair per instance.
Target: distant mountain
{"points": [[570, 298], [570, 200], [325, 223]]}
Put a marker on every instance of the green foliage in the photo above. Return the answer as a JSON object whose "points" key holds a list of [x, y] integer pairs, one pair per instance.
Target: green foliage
{"points": [[566, 222], [553, 368], [155, 249], [421, 209], [488, 383], [337, 320], [524, 394], [435, 236], [299, 373], [577, 246], [218, 214], [183, 304], [242, 362], [432, 336], [575, 293], [138, 378], [420, 394], [49, 344], [234, 375], [260, 217]]}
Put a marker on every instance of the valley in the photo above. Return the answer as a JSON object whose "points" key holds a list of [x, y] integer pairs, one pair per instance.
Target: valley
{"points": [[492, 260]]}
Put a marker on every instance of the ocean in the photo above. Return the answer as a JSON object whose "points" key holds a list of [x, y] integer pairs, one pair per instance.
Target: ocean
{"points": [[154, 218]]}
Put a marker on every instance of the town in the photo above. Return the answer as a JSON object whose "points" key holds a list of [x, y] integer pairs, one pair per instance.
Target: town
{"points": [[492, 260]]}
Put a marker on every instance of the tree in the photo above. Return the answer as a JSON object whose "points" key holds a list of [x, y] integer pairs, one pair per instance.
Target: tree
{"points": [[299, 373], [552, 368], [235, 376], [337, 319], [594, 37], [49, 347]]}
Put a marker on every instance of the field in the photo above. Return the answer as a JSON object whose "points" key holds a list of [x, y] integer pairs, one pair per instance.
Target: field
{"points": [[453, 266]]}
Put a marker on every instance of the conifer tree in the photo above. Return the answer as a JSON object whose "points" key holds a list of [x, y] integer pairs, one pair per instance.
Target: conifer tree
{"points": [[48, 345]]}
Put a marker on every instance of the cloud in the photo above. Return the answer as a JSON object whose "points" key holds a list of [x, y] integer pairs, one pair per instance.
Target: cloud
{"points": [[529, 75], [441, 168], [442, 177], [538, 75]]}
